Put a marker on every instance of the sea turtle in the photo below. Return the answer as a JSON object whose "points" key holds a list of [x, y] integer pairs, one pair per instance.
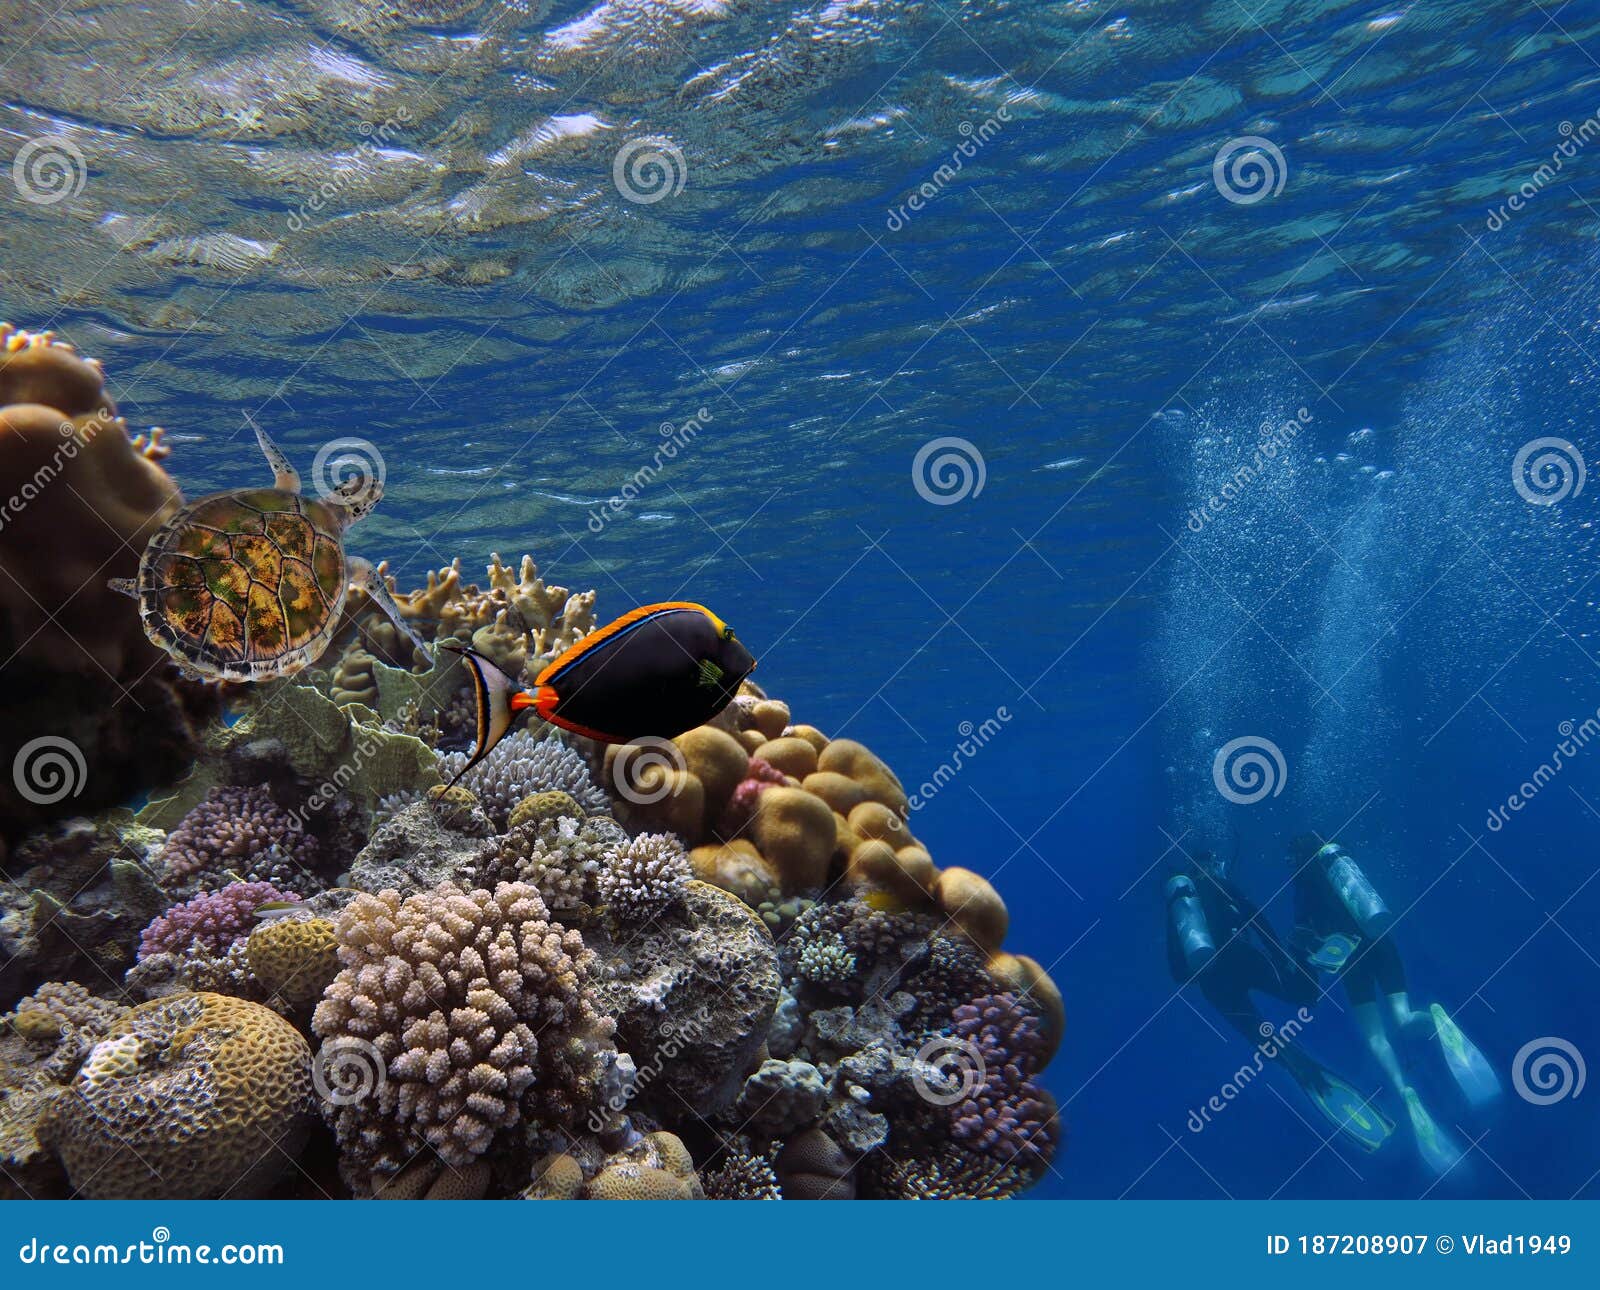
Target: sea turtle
{"points": [[248, 584]]}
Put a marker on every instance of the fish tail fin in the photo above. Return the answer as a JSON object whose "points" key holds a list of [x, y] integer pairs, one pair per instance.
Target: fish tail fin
{"points": [[497, 699]]}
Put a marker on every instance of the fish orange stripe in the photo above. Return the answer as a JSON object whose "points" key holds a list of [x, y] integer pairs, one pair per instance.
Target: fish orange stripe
{"points": [[595, 639], [544, 703]]}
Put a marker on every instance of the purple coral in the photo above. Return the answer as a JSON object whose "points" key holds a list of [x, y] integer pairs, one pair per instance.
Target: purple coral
{"points": [[238, 833], [211, 921], [1005, 1115], [741, 807]]}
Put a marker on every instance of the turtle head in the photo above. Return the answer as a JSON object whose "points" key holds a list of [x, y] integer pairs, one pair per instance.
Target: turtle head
{"points": [[355, 497]]}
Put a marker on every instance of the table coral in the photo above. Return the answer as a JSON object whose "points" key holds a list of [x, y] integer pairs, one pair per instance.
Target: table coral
{"points": [[478, 1008], [197, 1096], [237, 833]]}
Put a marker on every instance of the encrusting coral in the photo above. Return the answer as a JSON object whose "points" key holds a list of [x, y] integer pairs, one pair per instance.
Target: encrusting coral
{"points": [[475, 1007]]}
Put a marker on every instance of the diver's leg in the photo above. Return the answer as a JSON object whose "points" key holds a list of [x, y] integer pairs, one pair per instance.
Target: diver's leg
{"points": [[1370, 1021]]}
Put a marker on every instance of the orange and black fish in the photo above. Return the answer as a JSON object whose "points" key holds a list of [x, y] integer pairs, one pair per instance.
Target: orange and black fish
{"points": [[659, 670]]}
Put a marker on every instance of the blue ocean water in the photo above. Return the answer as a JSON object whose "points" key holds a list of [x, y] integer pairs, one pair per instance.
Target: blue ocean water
{"points": [[1112, 251]]}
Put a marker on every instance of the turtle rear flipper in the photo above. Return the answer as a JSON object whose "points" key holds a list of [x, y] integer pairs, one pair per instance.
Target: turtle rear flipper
{"points": [[284, 475], [364, 574]]}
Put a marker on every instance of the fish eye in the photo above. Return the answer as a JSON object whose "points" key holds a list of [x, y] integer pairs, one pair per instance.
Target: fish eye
{"points": [[727, 633]]}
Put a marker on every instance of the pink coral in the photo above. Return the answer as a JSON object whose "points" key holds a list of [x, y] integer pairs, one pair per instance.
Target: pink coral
{"points": [[211, 921], [741, 807], [238, 833]]}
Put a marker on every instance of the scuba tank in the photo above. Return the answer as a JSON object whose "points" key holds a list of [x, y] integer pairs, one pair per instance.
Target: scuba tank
{"points": [[1186, 921], [1359, 897]]}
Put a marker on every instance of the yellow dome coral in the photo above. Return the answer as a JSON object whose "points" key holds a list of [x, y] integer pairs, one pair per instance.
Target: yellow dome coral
{"points": [[195, 1096], [795, 831], [294, 959]]}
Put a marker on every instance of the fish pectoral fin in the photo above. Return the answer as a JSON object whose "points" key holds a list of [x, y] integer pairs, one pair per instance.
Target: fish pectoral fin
{"points": [[710, 675]]}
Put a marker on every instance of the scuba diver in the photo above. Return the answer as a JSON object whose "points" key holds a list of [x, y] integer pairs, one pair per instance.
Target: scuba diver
{"points": [[1220, 941], [1342, 927]]}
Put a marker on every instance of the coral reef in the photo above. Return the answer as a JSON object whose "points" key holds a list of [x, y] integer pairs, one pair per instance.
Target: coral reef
{"points": [[475, 1007], [523, 763], [563, 856], [212, 920], [197, 1096], [239, 834], [87, 698], [294, 959], [420, 847], [1005, 1115], [644, 877]]}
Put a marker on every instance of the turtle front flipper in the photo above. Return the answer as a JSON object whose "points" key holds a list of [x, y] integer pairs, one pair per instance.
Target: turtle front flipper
{"points": [[284, 475], [124, 586], [364, 574]]}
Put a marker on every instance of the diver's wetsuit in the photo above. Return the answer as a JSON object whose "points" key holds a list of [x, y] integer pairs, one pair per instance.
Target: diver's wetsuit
{"points": [[1248, 957], [1375, 969]]}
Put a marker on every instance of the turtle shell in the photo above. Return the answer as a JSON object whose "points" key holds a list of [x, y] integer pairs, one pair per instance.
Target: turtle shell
{"points": [[245, 585]]}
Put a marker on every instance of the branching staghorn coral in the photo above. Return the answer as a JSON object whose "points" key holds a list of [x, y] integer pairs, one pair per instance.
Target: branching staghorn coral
{"points": [[239, 833], [523, 763], [476, 1008], [645, 877]]}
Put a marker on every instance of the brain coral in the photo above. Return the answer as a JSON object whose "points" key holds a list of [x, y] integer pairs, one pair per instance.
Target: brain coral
{"points": [[645, 877], [477, 1006], [294, 959], [196, 1096], [523, 763], [211, 921], [239, 833]]}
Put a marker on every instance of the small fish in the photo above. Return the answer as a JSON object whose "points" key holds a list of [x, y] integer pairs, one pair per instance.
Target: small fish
{"points": [[659, 670], [275, 909]]}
